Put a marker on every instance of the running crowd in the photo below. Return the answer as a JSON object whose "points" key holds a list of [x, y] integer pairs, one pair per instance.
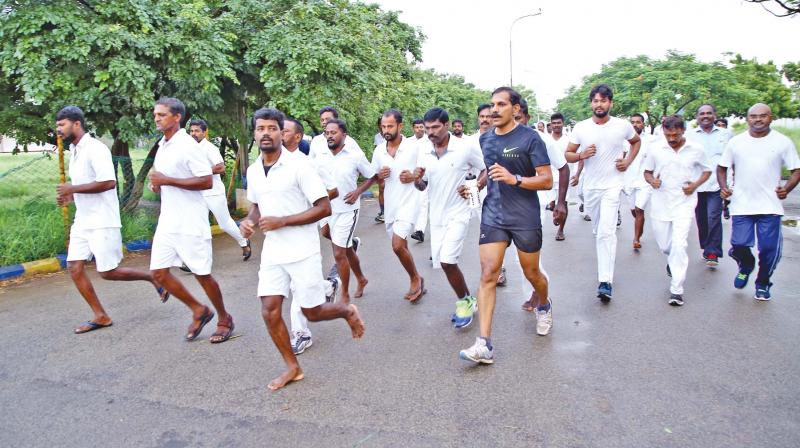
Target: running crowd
{"points": [[507, 175]]}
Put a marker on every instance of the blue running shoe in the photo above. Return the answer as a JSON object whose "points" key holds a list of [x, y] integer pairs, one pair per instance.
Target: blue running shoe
{"points": [[762, 292], [741, 280], [604, 292], [465, 309]]}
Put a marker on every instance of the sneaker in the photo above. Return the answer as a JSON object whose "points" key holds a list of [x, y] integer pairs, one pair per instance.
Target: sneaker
{"points": [[676, 300], [669, 271], [330, 298], [301, 343], [356, 243], [419, 236], [478, 353], [501, 279], [604, 291], [379, 218], [465, 309], [544, 321], [333, 273], [712, 261], [762, 292], [741, 280]]}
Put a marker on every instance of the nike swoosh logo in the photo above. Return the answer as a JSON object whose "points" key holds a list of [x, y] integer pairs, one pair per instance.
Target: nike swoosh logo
{"points": [[507, 150]]}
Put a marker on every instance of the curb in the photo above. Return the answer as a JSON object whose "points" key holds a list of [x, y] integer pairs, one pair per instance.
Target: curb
{"points": [[59, 262]]}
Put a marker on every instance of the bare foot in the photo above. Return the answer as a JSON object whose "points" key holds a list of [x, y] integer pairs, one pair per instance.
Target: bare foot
{"points": [[295, 374], [355, 322], [362, 283], [637, 245]]}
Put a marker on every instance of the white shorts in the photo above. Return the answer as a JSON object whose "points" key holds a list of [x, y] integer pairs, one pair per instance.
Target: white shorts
{"points": [[342, 226], [105, 244], [640, 196], [447, 241], [403, 229], [302, 278], [324, 221], [170, 249]]}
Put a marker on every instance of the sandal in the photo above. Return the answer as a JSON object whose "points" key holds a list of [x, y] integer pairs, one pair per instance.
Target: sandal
{"points": [[224, 335], [418, 293], [163, 294], [91, 327], [204, 319], [247, 251]]}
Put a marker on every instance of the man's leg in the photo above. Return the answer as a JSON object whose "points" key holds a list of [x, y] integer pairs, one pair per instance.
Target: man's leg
{"points": [[529, 261], [638, 227], [271, 313], [491, 255], [355, 267], [400, 248], [219, 208], [662, 233], [343, 268], [770, 245], [713, 245], [678, 258], [224, 320], [742, 239], [701, 216], [77, 270]]}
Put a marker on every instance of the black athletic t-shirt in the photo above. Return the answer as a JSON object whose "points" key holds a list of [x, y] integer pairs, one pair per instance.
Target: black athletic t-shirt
{"points": [[520, 152]]}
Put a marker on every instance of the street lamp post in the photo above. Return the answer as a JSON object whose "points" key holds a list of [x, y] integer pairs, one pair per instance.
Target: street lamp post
{"points": [[510, 52]]}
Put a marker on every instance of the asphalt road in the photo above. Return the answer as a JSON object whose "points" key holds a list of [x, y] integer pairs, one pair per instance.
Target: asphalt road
{"points": [[722, 371]]}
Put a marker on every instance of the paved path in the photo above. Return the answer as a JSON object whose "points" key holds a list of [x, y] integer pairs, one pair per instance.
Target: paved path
{"points": [[721, 371]]}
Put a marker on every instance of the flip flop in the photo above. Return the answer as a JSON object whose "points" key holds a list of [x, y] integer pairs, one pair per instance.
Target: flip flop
{"points": [[225, 334], [560, 237], [163, 294], [204, 319], [418, 293], [92, 326], [246, 254]]}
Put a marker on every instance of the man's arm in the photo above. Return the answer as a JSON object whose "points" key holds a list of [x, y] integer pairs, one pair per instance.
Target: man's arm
{"points": [[689, 188], [560, 211], [320, 209], [218, 169], [787, 188], [722, 179], [248, 224], [636, 143], [350, 198], [88, 188], [159, 180], [543, 180]]}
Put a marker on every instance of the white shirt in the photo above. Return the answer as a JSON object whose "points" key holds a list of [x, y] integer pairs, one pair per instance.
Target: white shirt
{"points": [[600, 171], [320, 144], [714, 144], [90, 161], [323, 171], [674, 169], [344, 169], [634, 175], [291, 187], [400, 200], [182, 211], [445, 174], [555, 152], [756, 164], [424, 138], [214, 158]]}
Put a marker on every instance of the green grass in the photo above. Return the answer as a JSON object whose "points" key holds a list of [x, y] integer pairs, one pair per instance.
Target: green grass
{"points": [[31, 231]]}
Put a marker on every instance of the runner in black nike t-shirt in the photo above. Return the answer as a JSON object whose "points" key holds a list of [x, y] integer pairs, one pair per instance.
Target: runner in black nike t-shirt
{"points": [[517, 164]]}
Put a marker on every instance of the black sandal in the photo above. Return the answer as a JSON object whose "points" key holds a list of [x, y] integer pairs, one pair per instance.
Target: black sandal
{"points": [[204, 319], [225, 334]]}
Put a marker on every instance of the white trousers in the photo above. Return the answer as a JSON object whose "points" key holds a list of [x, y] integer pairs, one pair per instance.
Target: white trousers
{"points": [[672, 239], [218, 205], [422, 215], [602, 206]]}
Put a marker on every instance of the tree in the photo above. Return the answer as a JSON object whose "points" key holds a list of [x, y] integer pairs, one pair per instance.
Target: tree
{"points": [[779, 8]]}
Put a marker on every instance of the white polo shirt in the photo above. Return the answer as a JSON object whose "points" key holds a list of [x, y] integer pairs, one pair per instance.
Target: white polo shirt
{"points": [[445, 174], [182, 211], [90, 161], [291, 187], [323, 171], [400, 201], [600, 171], [319, 144], [344, 169], [555, 151], [634, 175], [675, 169], [757, 164], [214, 158]]}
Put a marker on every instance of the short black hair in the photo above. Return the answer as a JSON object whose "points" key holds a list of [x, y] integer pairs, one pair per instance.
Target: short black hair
{"points": [[330, 109], [72, 113], [523, 106], [513, 96], [394, 113], [603, 90], [268, 113], [557, 116], [638, 115], [417, 121], [199, 122], [297, 124], [176, 107], [673, 122], [713, 109], [723, 120], [342, 125], [458, 121], [436, 114], [484, 106]]}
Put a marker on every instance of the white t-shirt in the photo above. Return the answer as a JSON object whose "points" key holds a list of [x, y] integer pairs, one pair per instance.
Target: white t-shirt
{"points": [[555, 151], [182, 211], [344, 169], [756, 164], [90, 161], [401, 201], [634, 175], [445, 174], [291, 187], [600, 171], [214, 158], [323, 170], [320, 144], [674, 169]]}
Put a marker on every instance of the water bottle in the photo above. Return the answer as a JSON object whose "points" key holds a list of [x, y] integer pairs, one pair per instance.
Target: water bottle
{"points": [[471, 182]]}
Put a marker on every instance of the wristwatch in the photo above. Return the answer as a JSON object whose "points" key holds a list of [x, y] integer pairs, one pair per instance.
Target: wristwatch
{"points": [[519, 180]]}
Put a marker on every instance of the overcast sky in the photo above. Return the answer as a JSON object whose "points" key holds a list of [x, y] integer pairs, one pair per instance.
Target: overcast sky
{"points": [[572, 39]]}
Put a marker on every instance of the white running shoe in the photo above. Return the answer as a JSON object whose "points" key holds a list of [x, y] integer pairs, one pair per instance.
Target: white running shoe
{"points": [[544, 321], [478, 353]]}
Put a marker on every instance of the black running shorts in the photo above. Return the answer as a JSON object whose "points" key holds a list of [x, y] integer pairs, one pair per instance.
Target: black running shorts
{"points": [[528, 241]]}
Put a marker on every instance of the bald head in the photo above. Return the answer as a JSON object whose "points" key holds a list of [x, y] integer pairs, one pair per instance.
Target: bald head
{"points": [[759, 117], [759, 109]]}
